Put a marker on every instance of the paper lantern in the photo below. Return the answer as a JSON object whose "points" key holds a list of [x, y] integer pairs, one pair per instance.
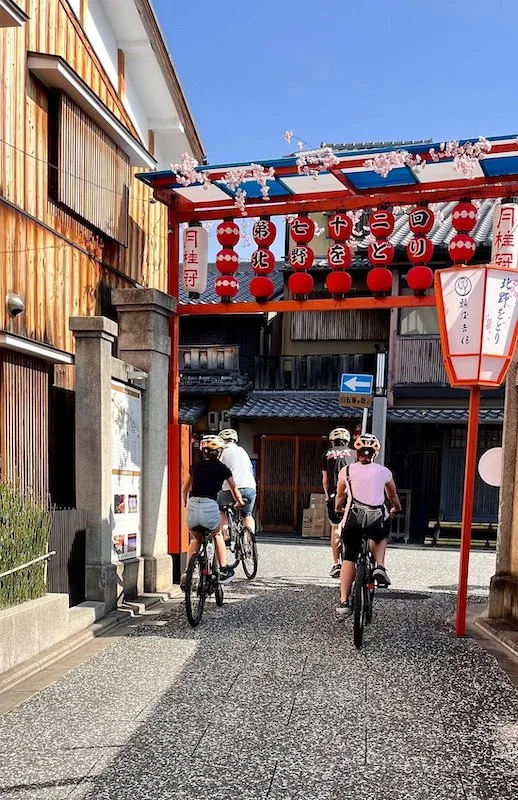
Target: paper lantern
{"points": [[381, 253], [339, 227], [302, 229], [419, 250], [226, 287], [301, 257], [227, 233], [421, 220], [339, 256], [261, 288], [464, 217], [195, 257], [462, 248], [379, 281], [420, 279], [264, 232], [338, 283], [262, 261], [227, 261], [300, 284], [381, 223]]}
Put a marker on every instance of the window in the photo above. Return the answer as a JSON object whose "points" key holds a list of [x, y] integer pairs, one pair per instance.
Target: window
{"points": [[93, 173]]}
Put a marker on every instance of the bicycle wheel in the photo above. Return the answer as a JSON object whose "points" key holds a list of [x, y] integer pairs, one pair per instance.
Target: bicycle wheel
{"points": [[218, 594], [248, 553], [359, 605], [233, 556], [195, 589]]}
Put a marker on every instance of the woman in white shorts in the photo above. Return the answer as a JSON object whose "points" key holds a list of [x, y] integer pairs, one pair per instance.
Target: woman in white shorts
{"points": [[200, 493]]}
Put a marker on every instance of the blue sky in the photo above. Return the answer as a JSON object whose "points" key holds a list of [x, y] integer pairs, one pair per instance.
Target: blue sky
{"points": [[339, 71]]}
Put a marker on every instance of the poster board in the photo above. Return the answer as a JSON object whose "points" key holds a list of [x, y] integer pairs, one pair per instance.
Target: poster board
{"points": [[126, 468]]}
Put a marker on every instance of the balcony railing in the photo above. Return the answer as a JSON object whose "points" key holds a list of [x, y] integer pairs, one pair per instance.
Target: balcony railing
{"points": [[419, 361], [308, 372], [209, 358]]}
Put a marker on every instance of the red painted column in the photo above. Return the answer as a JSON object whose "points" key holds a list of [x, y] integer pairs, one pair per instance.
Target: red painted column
{"points": [[467, 508], [173, 427]]}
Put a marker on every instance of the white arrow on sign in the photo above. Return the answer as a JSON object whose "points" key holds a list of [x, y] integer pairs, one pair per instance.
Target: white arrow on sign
{"points": [[353, 384]]}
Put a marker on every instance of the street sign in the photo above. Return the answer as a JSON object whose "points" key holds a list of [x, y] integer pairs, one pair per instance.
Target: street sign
{"points": [[355, 400], [356, 384]]}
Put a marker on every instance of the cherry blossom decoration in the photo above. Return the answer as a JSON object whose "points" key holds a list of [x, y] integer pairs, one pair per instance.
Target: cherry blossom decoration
{"points": [[339, 255], [420, 249], [465, 157], [380, 252], [262, 259], [462, 246], [302, 230], [227, 260]]}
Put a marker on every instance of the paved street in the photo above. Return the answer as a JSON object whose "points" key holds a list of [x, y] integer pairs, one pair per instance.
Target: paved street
{"points": [[269, 699]]}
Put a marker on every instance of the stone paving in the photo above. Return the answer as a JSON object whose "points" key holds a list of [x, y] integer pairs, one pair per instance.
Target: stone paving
{"points": [[269, 699]]}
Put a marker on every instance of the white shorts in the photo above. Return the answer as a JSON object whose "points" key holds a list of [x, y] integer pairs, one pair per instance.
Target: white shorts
{"points": [[202, 512]]}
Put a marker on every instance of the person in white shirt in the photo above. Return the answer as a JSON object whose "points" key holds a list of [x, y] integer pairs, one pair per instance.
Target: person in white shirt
{"points": [[362, 488], [238, 461]]}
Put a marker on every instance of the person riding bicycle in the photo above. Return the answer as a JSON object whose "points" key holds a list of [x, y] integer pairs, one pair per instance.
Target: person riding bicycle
{"points": [[238, 461], [364, 485], [200, 493], [337, 456]]}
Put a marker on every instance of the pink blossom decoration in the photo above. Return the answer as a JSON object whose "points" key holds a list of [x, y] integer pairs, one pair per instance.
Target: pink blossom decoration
{"points": [[288, 136], [465, 156]]}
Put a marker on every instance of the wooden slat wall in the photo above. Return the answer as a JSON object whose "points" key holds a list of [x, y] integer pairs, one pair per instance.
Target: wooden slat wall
{"points": [[56, 280], [419, 361], [24, 424], [340, 325]]}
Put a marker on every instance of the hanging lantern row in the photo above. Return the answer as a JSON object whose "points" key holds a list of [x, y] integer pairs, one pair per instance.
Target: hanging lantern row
{"points": [[339, 255], [462, 246], [262, 259], [420, 249], [300, 283], [227, 260], [380, 252]]}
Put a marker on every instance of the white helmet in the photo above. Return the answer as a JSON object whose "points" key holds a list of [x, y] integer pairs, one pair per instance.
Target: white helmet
{"points": [[229, 435], [367, 441], [340, 435]]}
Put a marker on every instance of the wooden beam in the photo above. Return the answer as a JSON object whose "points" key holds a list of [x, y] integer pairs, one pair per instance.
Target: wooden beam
{"points": [[151, 142], [121, 73], [83, 12], [362, 303]]}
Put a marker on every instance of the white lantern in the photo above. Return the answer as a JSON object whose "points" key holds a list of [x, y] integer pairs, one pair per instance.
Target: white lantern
{"points": [[504, 250], [478, 320], [195, 257]]}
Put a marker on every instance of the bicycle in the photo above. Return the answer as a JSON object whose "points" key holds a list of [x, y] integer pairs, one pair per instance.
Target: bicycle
{"points": [[362, 591], [241, 542], [202, 579]]}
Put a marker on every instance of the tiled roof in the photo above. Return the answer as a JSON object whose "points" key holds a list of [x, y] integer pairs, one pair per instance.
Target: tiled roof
{"points": [[487, 415], [290, 405], [244, 276], [214, 383], [192, 410]]}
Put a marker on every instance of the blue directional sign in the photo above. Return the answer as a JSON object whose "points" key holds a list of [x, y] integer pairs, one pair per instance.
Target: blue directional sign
{"points": [[356, 384]]}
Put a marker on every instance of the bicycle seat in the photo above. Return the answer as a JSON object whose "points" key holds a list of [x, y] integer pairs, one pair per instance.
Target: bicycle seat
{"points": [[202, 529]]}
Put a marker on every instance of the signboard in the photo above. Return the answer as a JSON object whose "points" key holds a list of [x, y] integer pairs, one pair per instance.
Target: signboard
{"points": [[504, 250], [126, 456], [195, 256], [478, 316], [490, 466], [351, 383], [355, 400]]}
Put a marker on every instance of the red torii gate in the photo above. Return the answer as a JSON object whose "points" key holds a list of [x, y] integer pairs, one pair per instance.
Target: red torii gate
{"points": [[349, 184]]}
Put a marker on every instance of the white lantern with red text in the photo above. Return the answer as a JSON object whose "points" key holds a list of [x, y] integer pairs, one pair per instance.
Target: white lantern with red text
{"points": [[504, 251], [195, 257]]}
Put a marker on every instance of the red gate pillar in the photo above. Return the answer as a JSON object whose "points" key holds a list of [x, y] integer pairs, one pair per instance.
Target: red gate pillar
{"points": [[174, 515]]}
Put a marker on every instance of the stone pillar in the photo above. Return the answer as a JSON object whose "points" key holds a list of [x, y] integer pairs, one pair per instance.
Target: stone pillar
{"points": [[144, 343], [503, 595], [94, 341]]}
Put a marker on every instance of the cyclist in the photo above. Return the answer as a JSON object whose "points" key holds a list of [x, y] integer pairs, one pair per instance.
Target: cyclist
{"points": [[364, 485], [200, 493], [238, 461], [337, 456]]}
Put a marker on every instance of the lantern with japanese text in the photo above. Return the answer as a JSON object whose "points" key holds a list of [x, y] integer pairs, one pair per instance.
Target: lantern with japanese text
{"points": [[301, 256], [262, 260], [227, 260], [195, 256], [339, 227], [420, 249], [263, 232], [421, 220], [302, 229], [339, 255], [261, 288], [504, 250], [380, 252]]}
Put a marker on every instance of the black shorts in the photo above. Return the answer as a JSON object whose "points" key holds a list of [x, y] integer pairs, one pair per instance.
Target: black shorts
{"points": [[352, 536], [334, 517]]}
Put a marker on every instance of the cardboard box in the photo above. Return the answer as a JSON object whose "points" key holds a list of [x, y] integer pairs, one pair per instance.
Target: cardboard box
{"points": [[312, 523], [317, 499]]}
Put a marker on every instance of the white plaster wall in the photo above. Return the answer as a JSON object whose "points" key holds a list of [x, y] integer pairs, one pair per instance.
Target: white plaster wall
{"points": [[103, 39]]}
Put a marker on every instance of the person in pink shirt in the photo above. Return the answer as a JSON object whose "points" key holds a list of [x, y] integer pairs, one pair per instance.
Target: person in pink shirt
{"points": [[361, 492]]}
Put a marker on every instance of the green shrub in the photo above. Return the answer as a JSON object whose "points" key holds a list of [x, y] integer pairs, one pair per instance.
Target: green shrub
{"points": [[24, 536]]}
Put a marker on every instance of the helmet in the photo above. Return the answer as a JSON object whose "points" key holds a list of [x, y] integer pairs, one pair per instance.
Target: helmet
{"points": [[229, 435], [367, 441], [340, 435], [211, 444]]}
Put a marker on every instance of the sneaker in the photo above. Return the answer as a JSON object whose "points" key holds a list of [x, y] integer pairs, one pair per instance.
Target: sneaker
{"points": [[226, 575], [335, 572], [381, 577], [342, 611], [183, 581]]}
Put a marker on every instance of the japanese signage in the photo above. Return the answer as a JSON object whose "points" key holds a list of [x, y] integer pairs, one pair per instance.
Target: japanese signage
{"points": [[195, 256], [478, 316], [355, 400], [126, 471], [504, 252]]}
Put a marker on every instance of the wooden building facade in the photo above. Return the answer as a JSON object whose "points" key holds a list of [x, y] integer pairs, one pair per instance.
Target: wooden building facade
{"points": [[88, 97]]}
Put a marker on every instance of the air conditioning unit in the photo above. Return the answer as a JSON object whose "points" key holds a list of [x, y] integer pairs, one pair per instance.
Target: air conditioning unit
{"points": [[224, 420], [213, 418]]}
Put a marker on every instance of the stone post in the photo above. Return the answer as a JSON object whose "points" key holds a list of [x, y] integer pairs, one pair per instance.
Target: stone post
{"points": [[94, 341], [144, 343]]}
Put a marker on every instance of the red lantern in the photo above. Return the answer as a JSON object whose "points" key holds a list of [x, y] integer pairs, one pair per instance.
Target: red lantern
{"points": [[302, 229], [464, 217], [262, 261], [264, 232], [339, 256], [226, 287], [420, 279], [339, 283], [419, 250], [261, 288], [379, 281], [381, 253], [381, 223], [227, 233], [301, 257], [300, 284], [227, 261], [339, 227], [462, 248], [421, 220]]}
